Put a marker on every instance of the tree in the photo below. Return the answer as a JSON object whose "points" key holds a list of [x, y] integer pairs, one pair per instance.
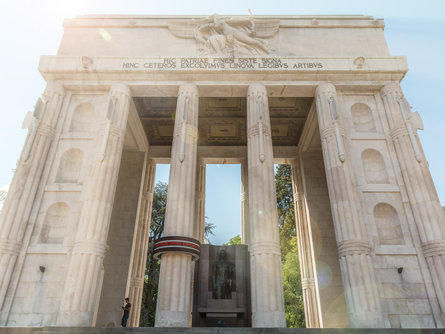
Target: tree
{"points": [[293, 295], [150, 292], [285, 206], [236, 240]]}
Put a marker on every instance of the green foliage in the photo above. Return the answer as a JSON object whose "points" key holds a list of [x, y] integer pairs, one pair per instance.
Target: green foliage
{"points": [[236, 240], [150, 292], [293, 294], [293, 297], [285, 206]]}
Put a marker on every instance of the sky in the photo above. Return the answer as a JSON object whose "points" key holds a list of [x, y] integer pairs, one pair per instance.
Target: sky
{"points": [[30, 28]]}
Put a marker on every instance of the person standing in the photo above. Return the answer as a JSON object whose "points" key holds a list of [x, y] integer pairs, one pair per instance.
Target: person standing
{"points": [[126, 309]]}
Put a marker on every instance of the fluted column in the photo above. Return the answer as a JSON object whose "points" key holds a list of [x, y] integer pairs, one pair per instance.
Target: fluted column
{"points": [[21, 195], [305, 249], [200, 200], [140, 244], [84, 270], [175, 280], [420, 188], [265, 254], [244, 203], [354, 250]]}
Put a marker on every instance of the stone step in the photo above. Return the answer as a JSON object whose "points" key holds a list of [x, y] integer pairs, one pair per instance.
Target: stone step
{"points": [[212, 330]]}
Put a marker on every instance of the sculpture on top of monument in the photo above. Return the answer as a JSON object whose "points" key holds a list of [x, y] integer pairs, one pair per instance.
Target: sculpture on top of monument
{"points": [[218, 36]]}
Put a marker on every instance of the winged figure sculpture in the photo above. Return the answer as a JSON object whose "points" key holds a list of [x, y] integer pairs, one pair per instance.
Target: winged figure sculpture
{"points": [[218, 36]]}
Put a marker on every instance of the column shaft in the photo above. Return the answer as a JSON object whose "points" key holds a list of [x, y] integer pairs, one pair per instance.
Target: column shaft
{"points": [[420, 188], [175, 279], [245, 203], [265, 254], [84, 271], [21, 195], [140, 245], [362, 299], [305, 250], [200, 201]]}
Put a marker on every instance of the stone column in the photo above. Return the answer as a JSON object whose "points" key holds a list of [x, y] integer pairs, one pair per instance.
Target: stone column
{"points": [[245, 203], [84, 270], [420, 188], [200, 201], [140, 244], [354, 250], [305, 249], [265, 254], [21, 195], [175, 280]]}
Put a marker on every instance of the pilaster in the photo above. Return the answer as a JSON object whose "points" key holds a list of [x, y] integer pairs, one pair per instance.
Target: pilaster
{"points": [[173, 307], [423, 198], [140, 244], [200, 200], [359, 280], [245, 203], [305, 249], [85, 267], [265, 254], [21, 195]]}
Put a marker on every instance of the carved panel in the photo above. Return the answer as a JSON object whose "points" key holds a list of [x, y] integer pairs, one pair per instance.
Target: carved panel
{"points": [[81, 120], [374, 167], [362, 118], [223, 120], [388, 225], [69, 166], [54, 225]]}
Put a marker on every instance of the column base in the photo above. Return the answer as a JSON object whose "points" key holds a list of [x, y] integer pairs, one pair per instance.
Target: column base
{"points": [[269, 319], [172, 319], [75, 319], [366, 319]]}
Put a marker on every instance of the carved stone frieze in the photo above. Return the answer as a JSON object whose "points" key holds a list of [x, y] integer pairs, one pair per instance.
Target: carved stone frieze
{"points": [[221, 36]]}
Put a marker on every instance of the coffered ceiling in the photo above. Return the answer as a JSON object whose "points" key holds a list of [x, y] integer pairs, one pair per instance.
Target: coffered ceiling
{"points": [[222, 120]]}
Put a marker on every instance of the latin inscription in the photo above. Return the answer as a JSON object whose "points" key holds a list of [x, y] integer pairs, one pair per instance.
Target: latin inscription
{"points": [[195, 63]]}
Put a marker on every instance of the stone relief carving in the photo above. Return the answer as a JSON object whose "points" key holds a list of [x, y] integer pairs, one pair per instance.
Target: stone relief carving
{"points": [[69, 167], [218, 36], [362, 118], [374, 166], [54, 226], [388, 225]]}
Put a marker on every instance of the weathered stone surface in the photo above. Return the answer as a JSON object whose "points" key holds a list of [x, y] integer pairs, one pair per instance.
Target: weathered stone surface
{"points": [[297, 90]]}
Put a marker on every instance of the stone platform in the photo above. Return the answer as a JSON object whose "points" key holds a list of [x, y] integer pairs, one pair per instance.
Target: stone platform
{"points": [[211, 330]]}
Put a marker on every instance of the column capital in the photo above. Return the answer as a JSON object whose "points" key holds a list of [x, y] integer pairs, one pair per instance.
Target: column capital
{"points": [[120, 88], [256, 88], [53, 87], [187, 89], [392, 88], [325, 88]]}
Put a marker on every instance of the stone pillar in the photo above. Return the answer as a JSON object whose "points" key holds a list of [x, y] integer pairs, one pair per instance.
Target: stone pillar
{"points": [[265, 254], [85, 266], [244, 203], [173, 307], [354, 250], [21, 195], [420, 188], [305, 250], [200, 201], [140, 244]]}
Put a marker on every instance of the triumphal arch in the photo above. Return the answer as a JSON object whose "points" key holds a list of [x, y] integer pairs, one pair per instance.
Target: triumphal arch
{"points": [[125, 93]]}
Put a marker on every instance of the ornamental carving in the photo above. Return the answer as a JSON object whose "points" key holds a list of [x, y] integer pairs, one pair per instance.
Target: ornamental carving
{"points": [[218, 36]]}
